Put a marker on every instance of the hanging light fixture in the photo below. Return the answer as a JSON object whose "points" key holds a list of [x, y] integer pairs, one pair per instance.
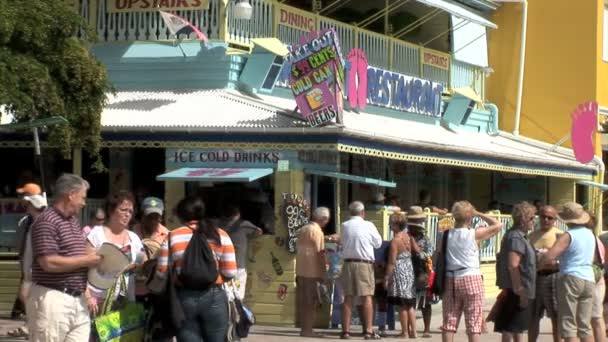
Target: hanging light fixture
{"points": [[243, 10]]}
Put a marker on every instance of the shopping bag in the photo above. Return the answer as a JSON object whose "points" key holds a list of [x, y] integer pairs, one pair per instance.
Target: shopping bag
{"points": [[240, 317], [118, 321]]}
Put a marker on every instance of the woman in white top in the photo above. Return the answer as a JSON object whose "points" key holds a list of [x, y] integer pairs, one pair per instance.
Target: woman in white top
{"points": [[119, 208], [464, 283]]}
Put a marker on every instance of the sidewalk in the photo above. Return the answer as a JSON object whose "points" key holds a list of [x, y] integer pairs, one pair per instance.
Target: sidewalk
{"points": [[275, 334]]}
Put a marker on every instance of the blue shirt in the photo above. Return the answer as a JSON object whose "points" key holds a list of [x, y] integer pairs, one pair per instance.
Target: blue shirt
{"points": [[578, 258]]}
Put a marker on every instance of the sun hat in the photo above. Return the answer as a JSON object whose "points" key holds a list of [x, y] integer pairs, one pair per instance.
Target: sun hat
{"points": [[113, 263], [30, 189], [153, 205], [38, 201], [416, 212], [573, 213]]}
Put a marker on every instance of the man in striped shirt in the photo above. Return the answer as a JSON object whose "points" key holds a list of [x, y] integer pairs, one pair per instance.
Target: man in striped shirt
{"points": [[56, 305]]}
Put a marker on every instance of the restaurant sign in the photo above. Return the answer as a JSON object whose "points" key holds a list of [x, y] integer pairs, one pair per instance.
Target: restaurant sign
{"points": [[369, 85], [316, 77], [155, 5]]}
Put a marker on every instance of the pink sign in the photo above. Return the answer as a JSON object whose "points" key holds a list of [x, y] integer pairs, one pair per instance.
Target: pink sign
{"points": [[357, 79], [584, 125], [316, 76]]}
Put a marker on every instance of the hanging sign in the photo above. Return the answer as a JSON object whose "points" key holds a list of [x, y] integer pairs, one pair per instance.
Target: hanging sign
{"points": [[435, 59], [584, 125], [316, 77], [295, 214], [155, 5]]}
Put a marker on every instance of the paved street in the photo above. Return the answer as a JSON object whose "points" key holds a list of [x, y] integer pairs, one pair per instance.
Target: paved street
{"points": [[274, 334]]}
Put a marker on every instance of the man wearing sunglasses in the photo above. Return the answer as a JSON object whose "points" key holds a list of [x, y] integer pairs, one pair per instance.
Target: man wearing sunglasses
{"points": [[543, 239]]}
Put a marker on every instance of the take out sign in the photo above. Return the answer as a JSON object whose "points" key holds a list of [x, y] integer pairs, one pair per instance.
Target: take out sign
{"points": [[155, 5]]}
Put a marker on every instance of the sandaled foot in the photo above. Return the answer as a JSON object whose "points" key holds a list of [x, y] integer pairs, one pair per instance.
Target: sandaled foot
{"points": [[345, 335], [21, 332], [426, 334], [371, 336]]}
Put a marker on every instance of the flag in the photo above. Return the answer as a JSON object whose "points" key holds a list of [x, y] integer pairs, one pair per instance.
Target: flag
{"points": [[178, 25]]}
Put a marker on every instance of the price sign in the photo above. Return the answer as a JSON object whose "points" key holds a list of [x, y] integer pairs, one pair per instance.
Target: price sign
{"points": [[296, 212]]}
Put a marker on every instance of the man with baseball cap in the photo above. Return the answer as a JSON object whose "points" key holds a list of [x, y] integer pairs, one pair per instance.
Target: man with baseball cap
{"points": [[35, 203]]}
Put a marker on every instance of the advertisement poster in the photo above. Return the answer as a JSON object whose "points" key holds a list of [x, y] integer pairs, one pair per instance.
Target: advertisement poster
{"points": [[316, 77]]}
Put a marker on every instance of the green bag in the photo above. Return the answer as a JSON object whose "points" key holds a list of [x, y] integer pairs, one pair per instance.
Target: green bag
{"points": [[120, 322]]}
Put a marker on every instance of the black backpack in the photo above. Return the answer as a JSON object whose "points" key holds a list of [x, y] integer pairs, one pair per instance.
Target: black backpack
{"points": [[199, 269]]}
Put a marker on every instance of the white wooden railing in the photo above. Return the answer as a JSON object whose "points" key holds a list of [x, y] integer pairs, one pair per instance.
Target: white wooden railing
{"points": [[382, 51]]}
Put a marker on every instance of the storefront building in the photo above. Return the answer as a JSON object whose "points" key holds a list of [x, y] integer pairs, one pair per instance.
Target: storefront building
{"points": [[217, 120]]}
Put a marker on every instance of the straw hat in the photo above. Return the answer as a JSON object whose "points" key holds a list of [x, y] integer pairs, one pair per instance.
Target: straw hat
{"points": [[113, 263], [415, 212], [573, 213]]}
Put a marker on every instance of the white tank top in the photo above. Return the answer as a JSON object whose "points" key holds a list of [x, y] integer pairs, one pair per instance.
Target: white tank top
{"points": [[462, 253]]}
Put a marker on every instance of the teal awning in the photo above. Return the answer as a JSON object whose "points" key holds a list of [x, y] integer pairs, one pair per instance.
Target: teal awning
{"points": [[353, 178], [600, 186], [193, 174]]}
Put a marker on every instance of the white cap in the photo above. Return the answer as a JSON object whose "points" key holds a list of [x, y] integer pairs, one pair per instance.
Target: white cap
{"points": [[38, 201]]}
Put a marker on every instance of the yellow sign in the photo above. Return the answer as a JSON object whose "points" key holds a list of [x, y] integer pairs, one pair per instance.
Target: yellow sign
{"points": [[296, 19], [436, 60], [155, 5]]}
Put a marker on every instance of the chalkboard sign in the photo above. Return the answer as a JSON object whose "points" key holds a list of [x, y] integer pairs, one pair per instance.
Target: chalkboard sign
{"points": [[296, 212]]}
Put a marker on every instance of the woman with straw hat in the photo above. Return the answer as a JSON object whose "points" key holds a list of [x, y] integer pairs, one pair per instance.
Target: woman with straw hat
{"points": [[423, 265], [575, 251]]}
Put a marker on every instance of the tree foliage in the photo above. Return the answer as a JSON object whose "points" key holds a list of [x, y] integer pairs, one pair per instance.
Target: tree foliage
{"points": [[47, 70]]}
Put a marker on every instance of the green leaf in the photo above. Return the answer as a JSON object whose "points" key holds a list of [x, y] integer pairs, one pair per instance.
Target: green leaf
{"points": [[46, 70]]}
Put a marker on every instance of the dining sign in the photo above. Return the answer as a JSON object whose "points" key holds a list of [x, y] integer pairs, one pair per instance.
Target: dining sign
{"points": [[155, 5]]}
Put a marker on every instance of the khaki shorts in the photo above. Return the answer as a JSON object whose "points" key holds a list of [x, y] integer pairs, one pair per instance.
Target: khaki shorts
{"points": [[575, 303], [306, 291], [358, 279], [598, 299]]}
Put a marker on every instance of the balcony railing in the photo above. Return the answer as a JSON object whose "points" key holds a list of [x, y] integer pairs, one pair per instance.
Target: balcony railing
{"points": [[218, 22]]}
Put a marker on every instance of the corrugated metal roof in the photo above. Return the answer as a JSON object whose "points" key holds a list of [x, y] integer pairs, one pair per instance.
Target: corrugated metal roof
{"points": [[223, 109], [426, 136], [190, 109]]}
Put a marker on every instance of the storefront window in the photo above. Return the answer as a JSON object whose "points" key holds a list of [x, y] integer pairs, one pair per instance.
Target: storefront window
{"points": [[255, 200]]}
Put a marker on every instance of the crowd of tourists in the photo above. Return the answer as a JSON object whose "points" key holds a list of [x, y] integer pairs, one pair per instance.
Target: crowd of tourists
{"points": [[540, 273], [181, 282], [163, 285]]}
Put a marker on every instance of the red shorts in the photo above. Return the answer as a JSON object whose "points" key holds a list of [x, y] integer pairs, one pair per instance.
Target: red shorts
{"points": [[463, 295]]}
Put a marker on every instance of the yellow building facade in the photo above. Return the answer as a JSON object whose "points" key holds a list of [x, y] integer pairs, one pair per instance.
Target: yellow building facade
{"points": [[564, 67]]}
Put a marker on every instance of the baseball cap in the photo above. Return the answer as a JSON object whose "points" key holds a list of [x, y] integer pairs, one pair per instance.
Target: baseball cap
{"points": [[30, 189], [153, 205], [38, 201]]}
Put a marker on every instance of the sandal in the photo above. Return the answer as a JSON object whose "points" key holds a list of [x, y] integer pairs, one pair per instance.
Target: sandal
{"points": [[426, 335], [20, 332], [372, 336], [345, 335]]}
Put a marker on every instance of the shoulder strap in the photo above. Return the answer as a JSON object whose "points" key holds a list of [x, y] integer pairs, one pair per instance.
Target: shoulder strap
{"points": [[598, 257], [444, 245]]}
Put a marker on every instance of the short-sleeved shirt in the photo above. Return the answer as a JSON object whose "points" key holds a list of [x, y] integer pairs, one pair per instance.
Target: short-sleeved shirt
{"points": [[311, 242], [543, 239], [134, 247], [359, 238], [515, 241], [55, 234], [240, 232], [180, 238]]}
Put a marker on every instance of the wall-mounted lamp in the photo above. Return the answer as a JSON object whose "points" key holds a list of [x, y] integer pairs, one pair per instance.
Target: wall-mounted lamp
{"points": [[243, 10]]}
